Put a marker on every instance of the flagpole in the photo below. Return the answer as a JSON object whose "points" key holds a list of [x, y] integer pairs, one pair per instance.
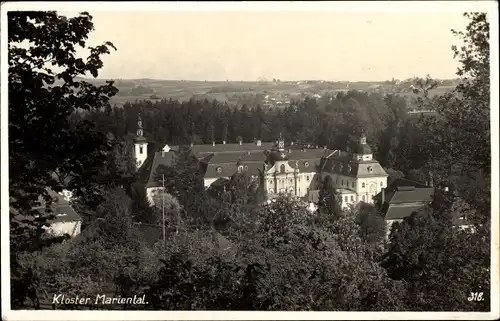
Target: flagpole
{"points": [[163, 205]]}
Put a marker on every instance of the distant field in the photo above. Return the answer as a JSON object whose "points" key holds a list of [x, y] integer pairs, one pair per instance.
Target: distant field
{"points": [[139, 89]]}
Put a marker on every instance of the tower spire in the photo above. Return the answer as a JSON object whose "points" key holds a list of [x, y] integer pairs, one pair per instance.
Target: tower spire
{"points": [[281, 143], [141, 144], [139, 127]]}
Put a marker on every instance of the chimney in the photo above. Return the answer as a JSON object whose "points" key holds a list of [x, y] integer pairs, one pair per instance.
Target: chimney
{"points": [[431, 179], [223, 142], [162, 153], [213, 143], [383, 195], [446, 189], [259, 142], [191, 145], [241, 142], [291, 143]]}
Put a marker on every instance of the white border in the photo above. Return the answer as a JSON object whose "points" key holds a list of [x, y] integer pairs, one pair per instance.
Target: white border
{"points": [[490, 7]]}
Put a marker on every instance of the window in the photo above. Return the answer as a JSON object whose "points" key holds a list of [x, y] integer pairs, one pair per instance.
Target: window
{"points": [[282, 168], [370, 169], [307, 178], [291, 180], [306, 164], [342, 182], [219, 170], [347, 199], [240, 169], [353, 184], [270, 181], [349, 168], [341, 167], [246, 167], [352, 198], [140, 149], [381, 184], [271, 191], [363, 185], [363, 198]]}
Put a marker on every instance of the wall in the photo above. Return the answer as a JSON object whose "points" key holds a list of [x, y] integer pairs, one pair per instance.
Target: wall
{"points": [[140, 157], [371, 185]]}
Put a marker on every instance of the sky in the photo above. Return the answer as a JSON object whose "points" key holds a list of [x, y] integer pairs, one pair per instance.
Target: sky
{"points": [[283, 45], [287, 45]]}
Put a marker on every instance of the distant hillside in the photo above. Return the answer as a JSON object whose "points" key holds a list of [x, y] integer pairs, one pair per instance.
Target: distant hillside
{"points": [[240, 92]]}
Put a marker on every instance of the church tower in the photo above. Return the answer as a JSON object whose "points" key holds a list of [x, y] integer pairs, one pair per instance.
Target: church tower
{"points": [[140, 146], [363, 151]]}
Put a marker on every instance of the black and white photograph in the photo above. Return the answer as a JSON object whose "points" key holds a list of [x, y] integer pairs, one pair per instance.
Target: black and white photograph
{"points": [[249, 160]]}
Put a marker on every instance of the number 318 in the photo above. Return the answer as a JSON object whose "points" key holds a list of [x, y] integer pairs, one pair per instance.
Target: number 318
{"points": [[475, 296]]}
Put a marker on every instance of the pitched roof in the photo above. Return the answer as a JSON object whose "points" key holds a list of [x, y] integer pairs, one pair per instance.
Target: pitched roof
{"points": [[246, 156], [228, 148], [229, 169], [63, 213], [399, 212], [344, 164], [160, 158], [406, 191]]}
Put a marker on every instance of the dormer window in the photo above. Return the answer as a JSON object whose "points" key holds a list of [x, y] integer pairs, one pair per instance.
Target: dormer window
{"points": [[306, 164], [240, 169], [246, 167], [349, 168], [341, 167], [370, 169], [362, 185], [219, 169]]}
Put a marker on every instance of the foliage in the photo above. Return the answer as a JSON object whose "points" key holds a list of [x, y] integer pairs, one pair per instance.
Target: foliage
{"points": [[372, 226], [54, 153], [434, 257], [329, 201], [393, 175], [168, 204]]}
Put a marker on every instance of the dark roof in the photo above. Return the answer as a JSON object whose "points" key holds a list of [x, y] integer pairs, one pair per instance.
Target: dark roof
{"points": [[160, 158], [399, 212], [229, 169], [307, 154], [305, 165], [343, 163], [60, 207], [233, 157], [63, 213], [406, 191], [228, 148]]}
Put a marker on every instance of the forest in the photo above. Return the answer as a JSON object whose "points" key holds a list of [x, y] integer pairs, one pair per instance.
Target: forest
{"points": [[230, 252]]}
